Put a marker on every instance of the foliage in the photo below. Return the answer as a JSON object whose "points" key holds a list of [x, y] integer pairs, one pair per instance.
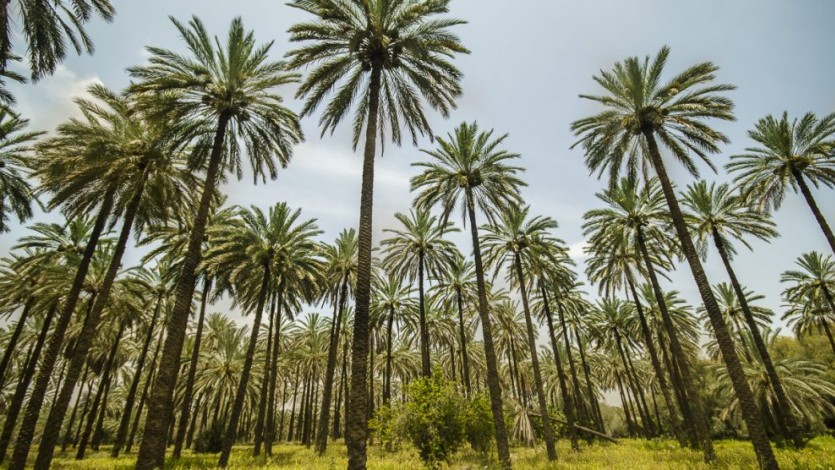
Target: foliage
{"points": [[478, 422], [388, 426], [434, 419], [210, 440]]}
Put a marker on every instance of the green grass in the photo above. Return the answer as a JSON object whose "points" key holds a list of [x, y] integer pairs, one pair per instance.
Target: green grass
{"points": [[629, 454]]}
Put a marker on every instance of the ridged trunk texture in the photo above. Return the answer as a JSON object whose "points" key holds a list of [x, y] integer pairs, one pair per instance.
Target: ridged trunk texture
{"points": [[356, 424], [269, 429], [425, 361], [465, 359], [161, 400], [56, 341], [493, 382], [330, 369], [12, 344], [261, 414], [750, 413], [813, 205], [568, 400]]}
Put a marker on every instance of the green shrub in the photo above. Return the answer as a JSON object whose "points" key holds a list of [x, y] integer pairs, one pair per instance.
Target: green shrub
{"points": [[387, 426], [479, 423], [210, 440], [434, 419]]}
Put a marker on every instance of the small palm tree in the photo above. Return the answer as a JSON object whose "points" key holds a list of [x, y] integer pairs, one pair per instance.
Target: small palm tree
{"points": [[640, 111], [416, 252], [813, 286], [15, 146], [384, 58], [47, 27], [790, 155], [471, 170], [222, 99]]}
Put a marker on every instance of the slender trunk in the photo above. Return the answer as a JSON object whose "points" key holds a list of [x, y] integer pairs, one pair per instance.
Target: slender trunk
{"points": [[56, 341], [629, 425], [387, 381], [149, 380], [826, 330], [813, 205], [330, 369], [12, 344], [765, 454], [594, 403], [152, 449], [265, 381], [785, 419], [372, 353], [269, 425], [656, 364], [237, 407], [23, 385], [337, 429], [68, 433], [537, 374], [293, 408], [571, 366], [127, 412], [465, 359], [425, 365], [283, 412], [567, 399], [356, 424], [493, 383], [97, 401], [97, 433], [640, 396], [192, 370]]}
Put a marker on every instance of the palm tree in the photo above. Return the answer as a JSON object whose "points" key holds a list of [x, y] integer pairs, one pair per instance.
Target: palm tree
{"points": [[228, 90], [391, 302], [15, 146], [384, 56], [791, 154], [470, 169], [737, 324], [47, 27], [811, 315], [254, 252], [813, 286], [417, 252], [516, 240], [639, 110]]}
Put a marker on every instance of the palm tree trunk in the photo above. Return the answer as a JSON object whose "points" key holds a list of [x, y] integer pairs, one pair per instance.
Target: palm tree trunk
{"points": [[493, 383], [765, 454], [56, 341], [161, 401], [278, 303], [330, 369], [825, 328], [656, 364], [633, 386], [149, 380], [59, 409], [571, 366], [629, 425], [97, 401], [192, 370], [283, 411], [12, 344], [691, 407], [127, 412], [640, 395], [597, 415], [425, 366], [237, 407], [68, 433], [356, 424], [568, 405], [785, 419], [387, 384], [23, 385], [337, 428], [537, 374], [265, 381], [293, 408], [813, 205], [465, 359], [97, 433]]}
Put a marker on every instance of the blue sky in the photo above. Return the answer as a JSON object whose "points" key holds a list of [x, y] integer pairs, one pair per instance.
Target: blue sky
{"points": [[530, 59]]}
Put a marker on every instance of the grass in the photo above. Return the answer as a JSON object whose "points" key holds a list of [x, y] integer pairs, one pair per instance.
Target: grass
{"points": [[628, 454]]}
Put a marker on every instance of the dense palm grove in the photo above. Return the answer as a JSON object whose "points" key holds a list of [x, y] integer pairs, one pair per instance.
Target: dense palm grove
{"points": [[147, 359]]}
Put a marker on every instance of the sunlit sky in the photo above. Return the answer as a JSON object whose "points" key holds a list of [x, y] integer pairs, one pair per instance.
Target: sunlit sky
{"points": [[530, 59]]}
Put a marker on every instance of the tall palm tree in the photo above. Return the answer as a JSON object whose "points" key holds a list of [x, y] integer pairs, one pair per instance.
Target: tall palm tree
{"points": [[15, 146], [813, 287], [790, 155], [254, 251], [391, 302], [222, 99], [471, 170], [519, 241], [640, 110], [47, 27], [418, 251], [383, 58]]}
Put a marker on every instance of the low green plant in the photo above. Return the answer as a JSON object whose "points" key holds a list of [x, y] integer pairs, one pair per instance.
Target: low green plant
{"points": [[434, 419], [209, 440], [478, 421], [387, 426]]}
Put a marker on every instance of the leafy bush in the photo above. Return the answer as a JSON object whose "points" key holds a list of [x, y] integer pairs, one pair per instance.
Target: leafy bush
{"points": [[387, 426], [210, 440], [479, 423], [434, 419]]}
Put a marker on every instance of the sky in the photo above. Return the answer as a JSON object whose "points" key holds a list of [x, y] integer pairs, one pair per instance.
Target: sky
{"points": [[529, 61]]}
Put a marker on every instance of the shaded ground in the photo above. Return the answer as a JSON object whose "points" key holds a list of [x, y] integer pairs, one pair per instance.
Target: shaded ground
{"points": [[630, 454]]}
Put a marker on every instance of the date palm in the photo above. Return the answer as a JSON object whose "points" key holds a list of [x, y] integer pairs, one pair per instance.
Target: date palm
{"points": [[517, 241], [715, 213], [46, 28], [391, 302], [641, 110], [382, 58], [469, 169], [810, 314], [416, 252], [813, 285], [222, 97], [734, 316], [790, 155], [16, 194], [254, 252]]}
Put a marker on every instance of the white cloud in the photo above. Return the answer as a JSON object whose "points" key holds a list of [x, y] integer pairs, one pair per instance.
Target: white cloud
{"points": [[577, 250], [49, 102]]}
